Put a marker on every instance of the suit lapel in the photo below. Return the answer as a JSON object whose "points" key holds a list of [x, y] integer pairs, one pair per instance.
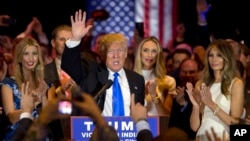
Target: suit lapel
{"points": [[102, 76], [130, 80]]}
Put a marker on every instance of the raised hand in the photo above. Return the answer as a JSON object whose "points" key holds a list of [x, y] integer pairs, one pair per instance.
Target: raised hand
{"points": [[1, 110], [79, 29], [202, 6], [2, 18], [37, 26]]}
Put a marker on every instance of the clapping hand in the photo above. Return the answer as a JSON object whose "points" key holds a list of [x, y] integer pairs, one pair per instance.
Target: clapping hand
{"points": [[193, 95], [205, 93], [180, 97], [151, 89], [27, 98]]}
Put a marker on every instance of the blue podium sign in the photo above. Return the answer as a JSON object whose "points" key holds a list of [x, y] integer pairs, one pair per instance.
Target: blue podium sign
{"points": [[82, 127]]}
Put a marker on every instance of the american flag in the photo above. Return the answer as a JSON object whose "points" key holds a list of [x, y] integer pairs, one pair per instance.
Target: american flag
{"points": [[157, 16]]}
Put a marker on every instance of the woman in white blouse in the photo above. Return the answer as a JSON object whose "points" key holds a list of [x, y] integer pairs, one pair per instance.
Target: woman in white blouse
{"points": [[160, 88]]}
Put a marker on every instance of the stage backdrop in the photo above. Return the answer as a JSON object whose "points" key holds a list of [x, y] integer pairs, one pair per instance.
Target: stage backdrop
{"points": [[158, 16]]}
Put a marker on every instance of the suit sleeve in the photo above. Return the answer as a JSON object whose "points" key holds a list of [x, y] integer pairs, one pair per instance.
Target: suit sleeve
{"points": [[144, 135], [23, 126], [71, 64]]}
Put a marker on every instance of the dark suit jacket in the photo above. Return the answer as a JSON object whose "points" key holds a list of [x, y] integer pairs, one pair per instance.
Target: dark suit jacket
{"points": [[144, 135], [51, 75], [91, 79], [23, 126], [180, 118]]}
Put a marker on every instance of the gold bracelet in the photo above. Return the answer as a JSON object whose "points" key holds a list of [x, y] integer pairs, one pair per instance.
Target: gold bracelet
{"points": [[216, 109]]}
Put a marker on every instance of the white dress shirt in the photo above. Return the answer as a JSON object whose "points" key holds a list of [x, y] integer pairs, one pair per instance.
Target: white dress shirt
{"points": [[107, 110]]}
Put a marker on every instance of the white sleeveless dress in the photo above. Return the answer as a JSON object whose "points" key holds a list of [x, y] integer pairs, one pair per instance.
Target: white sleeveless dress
{"points": [[210, 120]]}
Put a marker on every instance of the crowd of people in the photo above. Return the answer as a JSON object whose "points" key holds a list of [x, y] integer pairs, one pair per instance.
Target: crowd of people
{"points": [[203, 89]]}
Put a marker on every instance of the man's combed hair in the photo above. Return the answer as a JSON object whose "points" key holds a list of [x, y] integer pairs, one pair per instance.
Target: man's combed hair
{"points": [[112, 38]]}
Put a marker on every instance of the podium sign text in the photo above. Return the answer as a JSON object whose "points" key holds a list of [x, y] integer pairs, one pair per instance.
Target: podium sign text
{"points": [[82, 127]]}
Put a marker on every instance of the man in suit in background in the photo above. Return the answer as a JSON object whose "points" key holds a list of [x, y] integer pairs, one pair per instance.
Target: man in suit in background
{"points": [[53, 72], [54, 75], [114, 49]]}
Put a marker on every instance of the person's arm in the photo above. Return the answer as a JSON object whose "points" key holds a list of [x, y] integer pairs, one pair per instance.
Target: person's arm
{"points": [[102, 130], [195, 114], [71, 59], [138, 113], [39, 130], [8, 104], [168, 100], [156, 99], [93, 111], [2, 18], [38, 29], [26, 119], [237, 101], [202, 8], [180, 98]]}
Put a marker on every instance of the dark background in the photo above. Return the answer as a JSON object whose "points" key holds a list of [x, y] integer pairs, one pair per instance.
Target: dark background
{"points": [[226, 18], [50, 13]]}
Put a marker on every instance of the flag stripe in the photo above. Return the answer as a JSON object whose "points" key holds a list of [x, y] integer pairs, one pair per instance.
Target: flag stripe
{"points": [[174, 17], [146, 17], [167, 22], [161, 20], [158, 16]]}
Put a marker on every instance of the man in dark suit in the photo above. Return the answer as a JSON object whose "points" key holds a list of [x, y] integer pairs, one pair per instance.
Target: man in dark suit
{"points": [[54, 75], [182, 106], [53, 70], [114, 49]]}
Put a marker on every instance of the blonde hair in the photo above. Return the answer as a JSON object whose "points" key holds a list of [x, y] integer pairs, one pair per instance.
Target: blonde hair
{"points": [[228, 71], [109, 39], [60, 28], [38, 72], [159, 69]]}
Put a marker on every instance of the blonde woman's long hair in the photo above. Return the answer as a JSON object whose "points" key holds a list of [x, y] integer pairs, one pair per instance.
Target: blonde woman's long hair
{"points": [[159, 68], [38, 73], [228, 72]]}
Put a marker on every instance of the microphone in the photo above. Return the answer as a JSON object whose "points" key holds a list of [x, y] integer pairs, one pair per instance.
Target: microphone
{"points": [[106, 86]]}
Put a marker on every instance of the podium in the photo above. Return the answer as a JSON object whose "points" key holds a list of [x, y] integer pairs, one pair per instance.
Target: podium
{"points": [[82, 127]]}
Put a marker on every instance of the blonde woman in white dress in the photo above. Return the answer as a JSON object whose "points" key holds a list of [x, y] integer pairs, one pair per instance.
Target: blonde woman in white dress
{"points": [[160, 88]]}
